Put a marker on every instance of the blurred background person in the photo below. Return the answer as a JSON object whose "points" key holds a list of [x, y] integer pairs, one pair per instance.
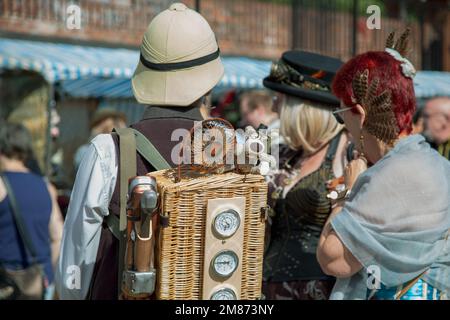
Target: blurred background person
{"points": [[103, 121], [36, 203], [256, 108], [437, 124], [418, 121], [298, 191]]}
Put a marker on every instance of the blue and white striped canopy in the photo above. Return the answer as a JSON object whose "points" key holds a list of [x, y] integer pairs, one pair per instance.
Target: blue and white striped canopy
{"points": [[86, 71], [95, 72], [240, 72], [57, 62], [429, 84]]}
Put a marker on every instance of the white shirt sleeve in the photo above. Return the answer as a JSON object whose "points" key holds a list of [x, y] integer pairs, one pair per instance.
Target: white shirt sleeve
{"points": [[91, 194]]}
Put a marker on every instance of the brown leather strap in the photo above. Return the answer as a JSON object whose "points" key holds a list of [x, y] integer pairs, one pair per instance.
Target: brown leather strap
{"points": [[127, 145]]}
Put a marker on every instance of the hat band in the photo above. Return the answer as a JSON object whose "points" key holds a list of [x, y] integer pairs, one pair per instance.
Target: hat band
{"points": [[283, 73], [180, 65]]}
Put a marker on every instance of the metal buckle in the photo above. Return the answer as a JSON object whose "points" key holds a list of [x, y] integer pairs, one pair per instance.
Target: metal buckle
{"points": [[139, 282]]}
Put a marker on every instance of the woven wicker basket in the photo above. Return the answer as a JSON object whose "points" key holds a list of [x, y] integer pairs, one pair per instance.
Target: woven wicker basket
{"points": [[180, 245]]}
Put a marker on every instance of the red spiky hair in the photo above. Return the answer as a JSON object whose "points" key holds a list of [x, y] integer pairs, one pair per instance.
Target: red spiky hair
{"points": [[383, 66]]}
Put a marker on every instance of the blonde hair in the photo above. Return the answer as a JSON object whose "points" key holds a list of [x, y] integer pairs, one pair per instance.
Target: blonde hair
{"points": [[307, 125], [31, 112]]}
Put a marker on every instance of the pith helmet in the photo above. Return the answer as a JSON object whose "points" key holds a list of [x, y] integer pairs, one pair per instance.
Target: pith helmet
{"points": [[179, 60]]}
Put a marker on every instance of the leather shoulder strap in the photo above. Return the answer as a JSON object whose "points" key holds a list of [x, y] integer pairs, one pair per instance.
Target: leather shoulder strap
{"points": [[127, 155], [147, 150], [112, 221], [127, 145]]}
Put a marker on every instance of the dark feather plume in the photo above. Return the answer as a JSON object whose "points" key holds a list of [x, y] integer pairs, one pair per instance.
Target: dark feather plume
{"points": [[403, 42], [390, 40]]}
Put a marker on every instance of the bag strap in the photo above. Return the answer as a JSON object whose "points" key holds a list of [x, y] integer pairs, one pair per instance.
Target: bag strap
{"points": [[128, 169], [23, 232], [130, 141], [149, 152], [127, 145], [112, 221]]}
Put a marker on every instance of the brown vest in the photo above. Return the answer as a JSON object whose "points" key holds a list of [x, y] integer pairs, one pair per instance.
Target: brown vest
{"points": [[157, 125]]}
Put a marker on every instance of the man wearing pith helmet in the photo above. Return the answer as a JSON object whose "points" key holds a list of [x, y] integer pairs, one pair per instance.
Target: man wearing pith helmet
{"points": [[179, 64]]}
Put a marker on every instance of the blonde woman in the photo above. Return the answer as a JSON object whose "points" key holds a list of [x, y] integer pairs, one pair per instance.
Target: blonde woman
{"points": [[299, 190]]}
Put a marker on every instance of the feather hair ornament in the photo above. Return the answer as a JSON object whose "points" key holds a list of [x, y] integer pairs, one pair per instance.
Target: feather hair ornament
{"points": [[400, 50], [380, 119], [402, 43]]}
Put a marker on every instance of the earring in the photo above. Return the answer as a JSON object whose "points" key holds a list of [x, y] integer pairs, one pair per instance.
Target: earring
{"points": [[361, 147]]}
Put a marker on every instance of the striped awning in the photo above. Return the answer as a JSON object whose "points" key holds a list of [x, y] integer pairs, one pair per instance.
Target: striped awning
{"points": [[429, 84], [84, 71], [240, 72], [58, 62], [95, 72]]}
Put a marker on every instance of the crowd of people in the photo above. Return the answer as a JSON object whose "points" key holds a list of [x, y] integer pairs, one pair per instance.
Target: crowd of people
{"points": [[363, 179]]}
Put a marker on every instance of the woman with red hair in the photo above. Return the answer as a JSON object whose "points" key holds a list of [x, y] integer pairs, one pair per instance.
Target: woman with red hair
{"points": [[387, 237]]}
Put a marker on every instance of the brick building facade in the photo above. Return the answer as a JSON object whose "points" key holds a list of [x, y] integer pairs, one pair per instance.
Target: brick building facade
{"points": [[255, 28]]}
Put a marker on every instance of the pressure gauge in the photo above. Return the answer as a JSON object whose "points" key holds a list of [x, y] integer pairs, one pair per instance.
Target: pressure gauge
{"points": [[226, 223], [224, 294], [225, 263]]}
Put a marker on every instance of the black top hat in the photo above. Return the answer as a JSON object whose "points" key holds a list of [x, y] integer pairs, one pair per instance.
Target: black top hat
{"points": [[306, 75]]}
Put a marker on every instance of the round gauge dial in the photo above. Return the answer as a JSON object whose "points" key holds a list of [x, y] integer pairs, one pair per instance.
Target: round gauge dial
{"points": [[224, 294], [226, 223], [225, 263]]}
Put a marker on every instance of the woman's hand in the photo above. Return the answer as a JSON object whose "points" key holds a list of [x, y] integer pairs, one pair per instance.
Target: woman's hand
{"points": [[353, 170]]}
